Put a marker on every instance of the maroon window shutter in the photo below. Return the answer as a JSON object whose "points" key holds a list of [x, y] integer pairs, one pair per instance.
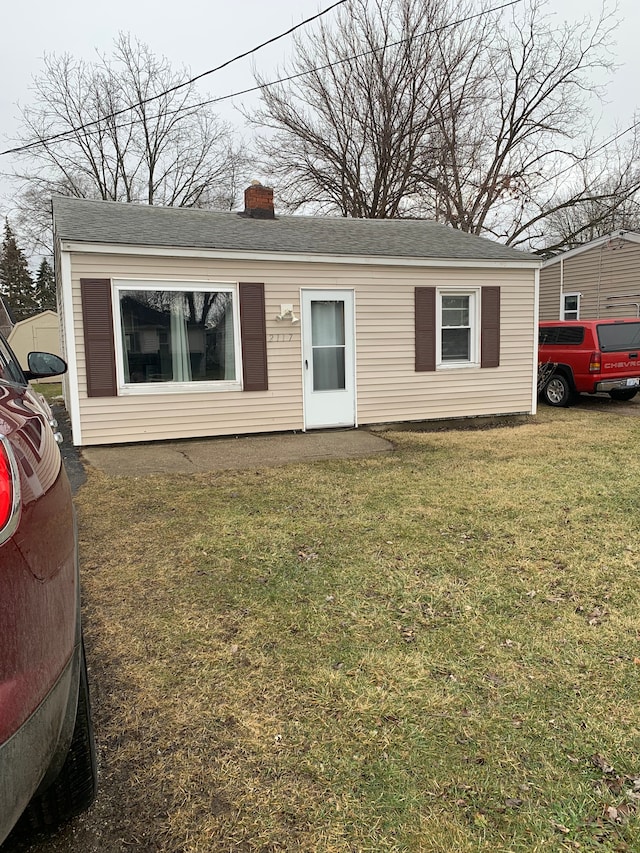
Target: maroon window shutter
{"points": [[99, 348], [490, 327], [425, 320], [254, 337]]}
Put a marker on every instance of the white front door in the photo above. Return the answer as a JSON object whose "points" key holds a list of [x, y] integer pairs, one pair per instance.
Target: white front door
{"points": [[328, 358]]}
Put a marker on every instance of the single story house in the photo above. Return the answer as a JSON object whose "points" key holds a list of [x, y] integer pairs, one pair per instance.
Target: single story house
{"points": [[180, 323], [599, 279], [41, 332]]}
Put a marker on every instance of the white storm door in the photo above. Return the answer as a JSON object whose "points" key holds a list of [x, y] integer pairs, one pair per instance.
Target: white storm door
{"points": [[328, 358]]}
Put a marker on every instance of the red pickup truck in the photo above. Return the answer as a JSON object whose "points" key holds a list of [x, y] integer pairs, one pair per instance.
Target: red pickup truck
{"points": [[588, 356]]}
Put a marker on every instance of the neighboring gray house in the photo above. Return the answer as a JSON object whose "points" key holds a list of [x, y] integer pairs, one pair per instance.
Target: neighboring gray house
{"points": [[180, 323], [599, 279]]}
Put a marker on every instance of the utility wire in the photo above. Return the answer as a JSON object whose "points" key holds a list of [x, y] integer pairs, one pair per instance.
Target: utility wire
{"points": [[260, 87], [598, 148], [177, 86]]}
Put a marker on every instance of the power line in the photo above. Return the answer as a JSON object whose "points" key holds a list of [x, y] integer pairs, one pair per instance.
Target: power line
{"points": [[176, 87], [598, 148], [251, 89]]}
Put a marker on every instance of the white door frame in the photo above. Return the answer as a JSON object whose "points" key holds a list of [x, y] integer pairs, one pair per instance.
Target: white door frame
{"points": [[329, 408]]}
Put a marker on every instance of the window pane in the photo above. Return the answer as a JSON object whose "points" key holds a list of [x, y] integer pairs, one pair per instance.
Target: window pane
{"points": [[327, 323], [328, 369], [619, 336], [10, 371], [177, 336], [571, 303], [455, 345], [455, 310]]}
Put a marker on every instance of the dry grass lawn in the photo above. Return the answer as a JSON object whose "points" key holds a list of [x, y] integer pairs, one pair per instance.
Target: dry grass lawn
{"points": [[432, 650]]}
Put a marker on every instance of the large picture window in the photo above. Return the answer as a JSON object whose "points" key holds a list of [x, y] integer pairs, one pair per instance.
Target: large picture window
{"points": [[177, 334], [457, 328]]}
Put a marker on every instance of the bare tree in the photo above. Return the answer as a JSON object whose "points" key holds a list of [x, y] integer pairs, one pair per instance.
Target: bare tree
{"points": [[475, 117], [608, 203], [348, 134], [169, 151], [517, 142]]}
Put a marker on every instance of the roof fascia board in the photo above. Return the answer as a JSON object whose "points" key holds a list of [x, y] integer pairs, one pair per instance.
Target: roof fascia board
{"points": [[593, 244], [227, 254]]}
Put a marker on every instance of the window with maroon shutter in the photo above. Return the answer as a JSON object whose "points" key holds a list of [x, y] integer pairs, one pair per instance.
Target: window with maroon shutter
{"points": [[454, 327], [173, 336], [99, 351]]}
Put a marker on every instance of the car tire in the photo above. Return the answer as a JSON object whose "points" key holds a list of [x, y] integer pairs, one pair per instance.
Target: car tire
{"points": [[74, 789], [623, 394], [557, 391]]}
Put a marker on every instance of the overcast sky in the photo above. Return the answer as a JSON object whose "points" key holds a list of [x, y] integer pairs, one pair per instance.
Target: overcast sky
{"points": [[203, 33]]}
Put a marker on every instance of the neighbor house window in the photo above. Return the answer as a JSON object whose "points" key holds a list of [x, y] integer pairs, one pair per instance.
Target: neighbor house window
{"points": [[177, 334], [570, 306], [457, 336]]}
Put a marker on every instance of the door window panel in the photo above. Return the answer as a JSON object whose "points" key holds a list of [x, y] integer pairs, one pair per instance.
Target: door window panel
{"points": [[328, 345]]}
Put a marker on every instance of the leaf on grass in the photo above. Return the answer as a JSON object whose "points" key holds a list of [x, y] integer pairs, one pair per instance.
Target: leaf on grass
{"points": [[407, 634], [601, 763], [618, 814], [616, 784], [634, 792], [513, 802], [560, 827], [597, 616], [305, 554]]}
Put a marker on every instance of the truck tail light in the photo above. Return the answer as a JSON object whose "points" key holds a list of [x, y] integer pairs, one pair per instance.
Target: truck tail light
{"points": [[9, 491], [595, 362]]}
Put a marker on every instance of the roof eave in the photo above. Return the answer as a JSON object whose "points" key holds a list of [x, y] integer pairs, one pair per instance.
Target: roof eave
{"points": [[66, 245], [631, 236]]}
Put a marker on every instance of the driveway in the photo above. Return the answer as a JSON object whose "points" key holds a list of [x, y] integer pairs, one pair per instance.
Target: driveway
{"points": [[604, 403]]}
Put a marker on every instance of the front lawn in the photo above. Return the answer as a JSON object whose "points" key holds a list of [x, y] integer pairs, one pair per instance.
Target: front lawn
{"points": [[436, 649]]}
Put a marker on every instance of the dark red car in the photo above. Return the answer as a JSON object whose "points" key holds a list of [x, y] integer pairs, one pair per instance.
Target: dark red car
{"points": [[47, 752]]}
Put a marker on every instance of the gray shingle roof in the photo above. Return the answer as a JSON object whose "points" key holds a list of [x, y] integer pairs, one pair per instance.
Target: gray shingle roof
{"points": [[82, 220]]}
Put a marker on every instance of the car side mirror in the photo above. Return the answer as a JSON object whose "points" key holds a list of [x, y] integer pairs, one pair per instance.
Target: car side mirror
{"points": [[44, 364]]}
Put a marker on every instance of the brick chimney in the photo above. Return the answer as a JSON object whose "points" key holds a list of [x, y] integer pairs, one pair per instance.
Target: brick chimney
{"points": [[258, 201]]}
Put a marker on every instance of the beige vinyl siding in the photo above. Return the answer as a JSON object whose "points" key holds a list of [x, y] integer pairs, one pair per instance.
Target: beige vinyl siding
{"points": [[550, 292], [388, 388]]}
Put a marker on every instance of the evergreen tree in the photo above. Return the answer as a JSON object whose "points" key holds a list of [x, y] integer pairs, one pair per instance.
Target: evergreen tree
{"points": [[45, 288], [16, 284]]}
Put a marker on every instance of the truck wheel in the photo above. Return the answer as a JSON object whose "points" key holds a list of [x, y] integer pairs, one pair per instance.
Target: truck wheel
{"points": [[623, 394], [75, 787], [557, 391]]}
